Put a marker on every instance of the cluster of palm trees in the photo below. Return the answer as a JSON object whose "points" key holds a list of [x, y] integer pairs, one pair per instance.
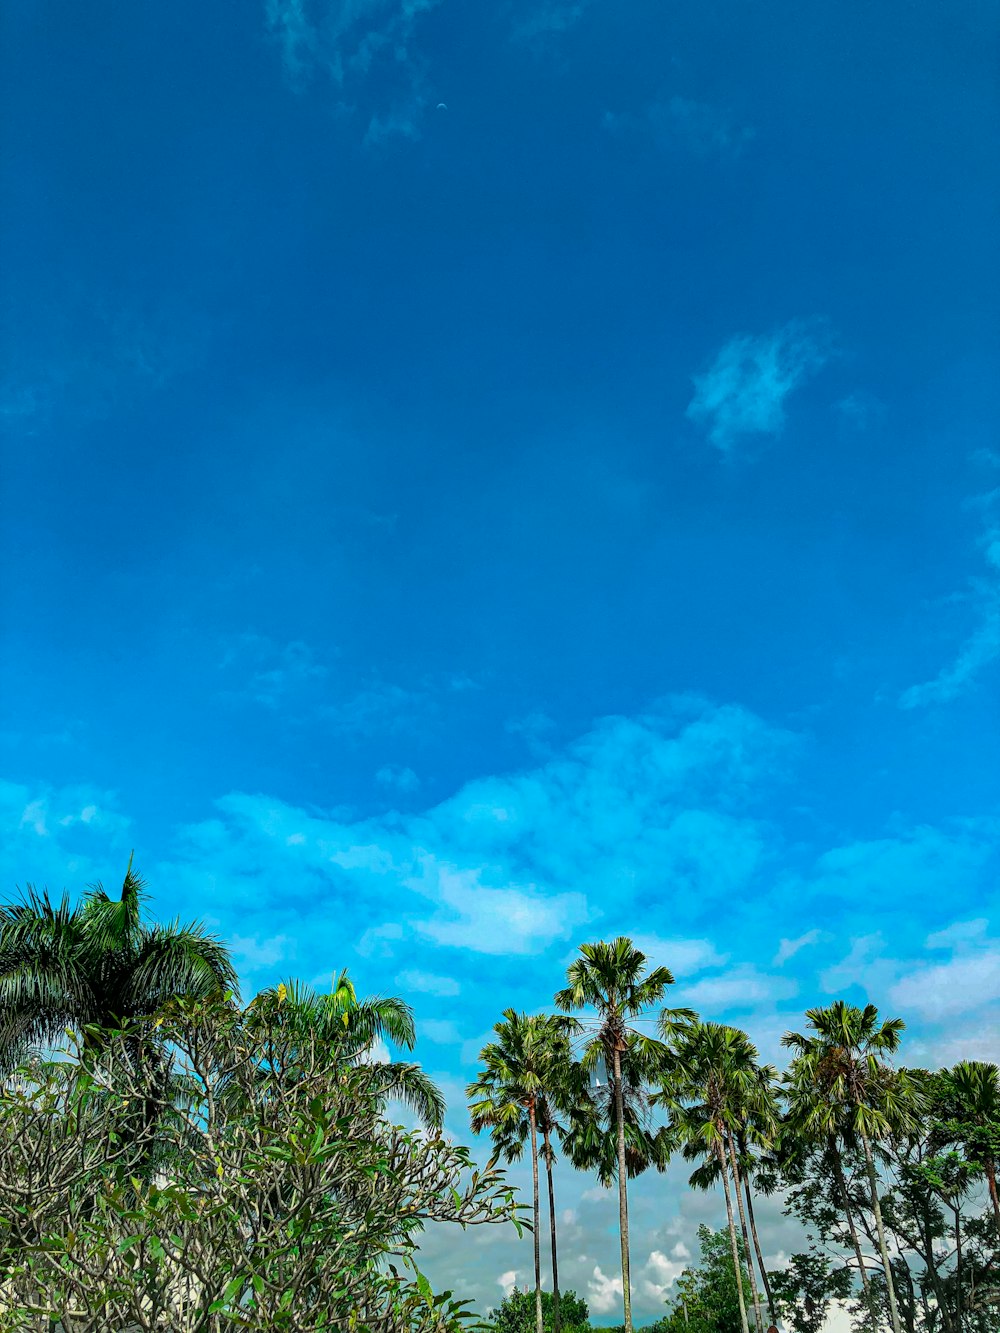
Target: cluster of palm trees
{"points": [[97, 966], [616, 1097], [721, 1108]]}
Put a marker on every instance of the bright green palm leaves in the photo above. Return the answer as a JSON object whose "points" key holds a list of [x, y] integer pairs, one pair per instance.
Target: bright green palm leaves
{"points": [[96, 965], [716, 1095], [524, 1082], [841, 1086], [970, 1096], [611, 978], [344, 1029]]}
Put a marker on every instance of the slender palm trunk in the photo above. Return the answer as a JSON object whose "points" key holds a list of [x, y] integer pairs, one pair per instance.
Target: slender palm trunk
{"points": [[537, 1218], [755, 1295], [991, 1176], [756, 1245], [623, 1191], [958, 1267], [838, 1167], [734, 1244], [556, 1317], [883, 1250]]}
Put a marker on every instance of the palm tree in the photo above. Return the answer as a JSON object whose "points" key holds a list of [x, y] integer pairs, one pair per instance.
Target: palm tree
{"points": [[814, 1121], [972, 1102], [515, 1092], [347, 1031], [558, 1101], [610, 978], [753, 1126], [713, 1079], [842, 1063], [96, 966]]}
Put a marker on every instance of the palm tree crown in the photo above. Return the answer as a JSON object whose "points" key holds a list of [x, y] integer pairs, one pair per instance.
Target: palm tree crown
{"points": [[348, 1030], [96, 964]]}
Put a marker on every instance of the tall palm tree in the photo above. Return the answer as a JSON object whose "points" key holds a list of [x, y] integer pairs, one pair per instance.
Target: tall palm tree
{"points": [[610, 977], [714, 1077], [813, 1121], [972, 1102], [752, 1129], [557, 1105], [843, 1060], [514, 1092], [347, 1030], [96, 965]]}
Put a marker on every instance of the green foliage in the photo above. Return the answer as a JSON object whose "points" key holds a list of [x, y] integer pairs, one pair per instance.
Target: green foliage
{"points": [[283, 1198], [704, 1298], [96, 965], [804, 1290], [516, 1313]]}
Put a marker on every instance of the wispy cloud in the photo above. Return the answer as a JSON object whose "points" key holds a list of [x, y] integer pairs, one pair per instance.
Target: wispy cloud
{"points": [[272, 675], [789, 948], [684, 125], [540, 21], [743, 391], [350, 42], [981, 649]]}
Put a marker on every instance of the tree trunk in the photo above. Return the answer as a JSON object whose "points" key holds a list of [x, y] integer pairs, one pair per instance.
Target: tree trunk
{"points": [[756, 1245], [958, 1267], [734, 1244], [556, 1316], [991, 1176], [538, 1209], [842, 1186], [883, 1250], [623, 1191], [755, 1295]]}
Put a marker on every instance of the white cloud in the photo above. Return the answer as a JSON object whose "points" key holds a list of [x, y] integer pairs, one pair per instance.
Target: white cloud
{"points": [[744, 987], [865, 965], [961, 932], [441, 1031], [604, 1293], [682, 124], [428, 983], [549, 19], [262, 672], [661, 1271], [683, 957], [347, 41], [981, 648], [743, 391], [789, 948], [396, 778], [508, 1281], [945, 990]]}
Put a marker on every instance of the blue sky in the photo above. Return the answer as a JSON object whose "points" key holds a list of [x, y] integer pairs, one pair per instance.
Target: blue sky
{"points": [[479, 478]]}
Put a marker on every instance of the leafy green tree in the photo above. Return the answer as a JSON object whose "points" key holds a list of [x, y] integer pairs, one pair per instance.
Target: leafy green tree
{"points": [[523, 1070], [842, 1063], [516, 1313], [294, 1207], [805, 1289], [96, 965], [348, 1029], [609, 977], [705, 1298]]}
